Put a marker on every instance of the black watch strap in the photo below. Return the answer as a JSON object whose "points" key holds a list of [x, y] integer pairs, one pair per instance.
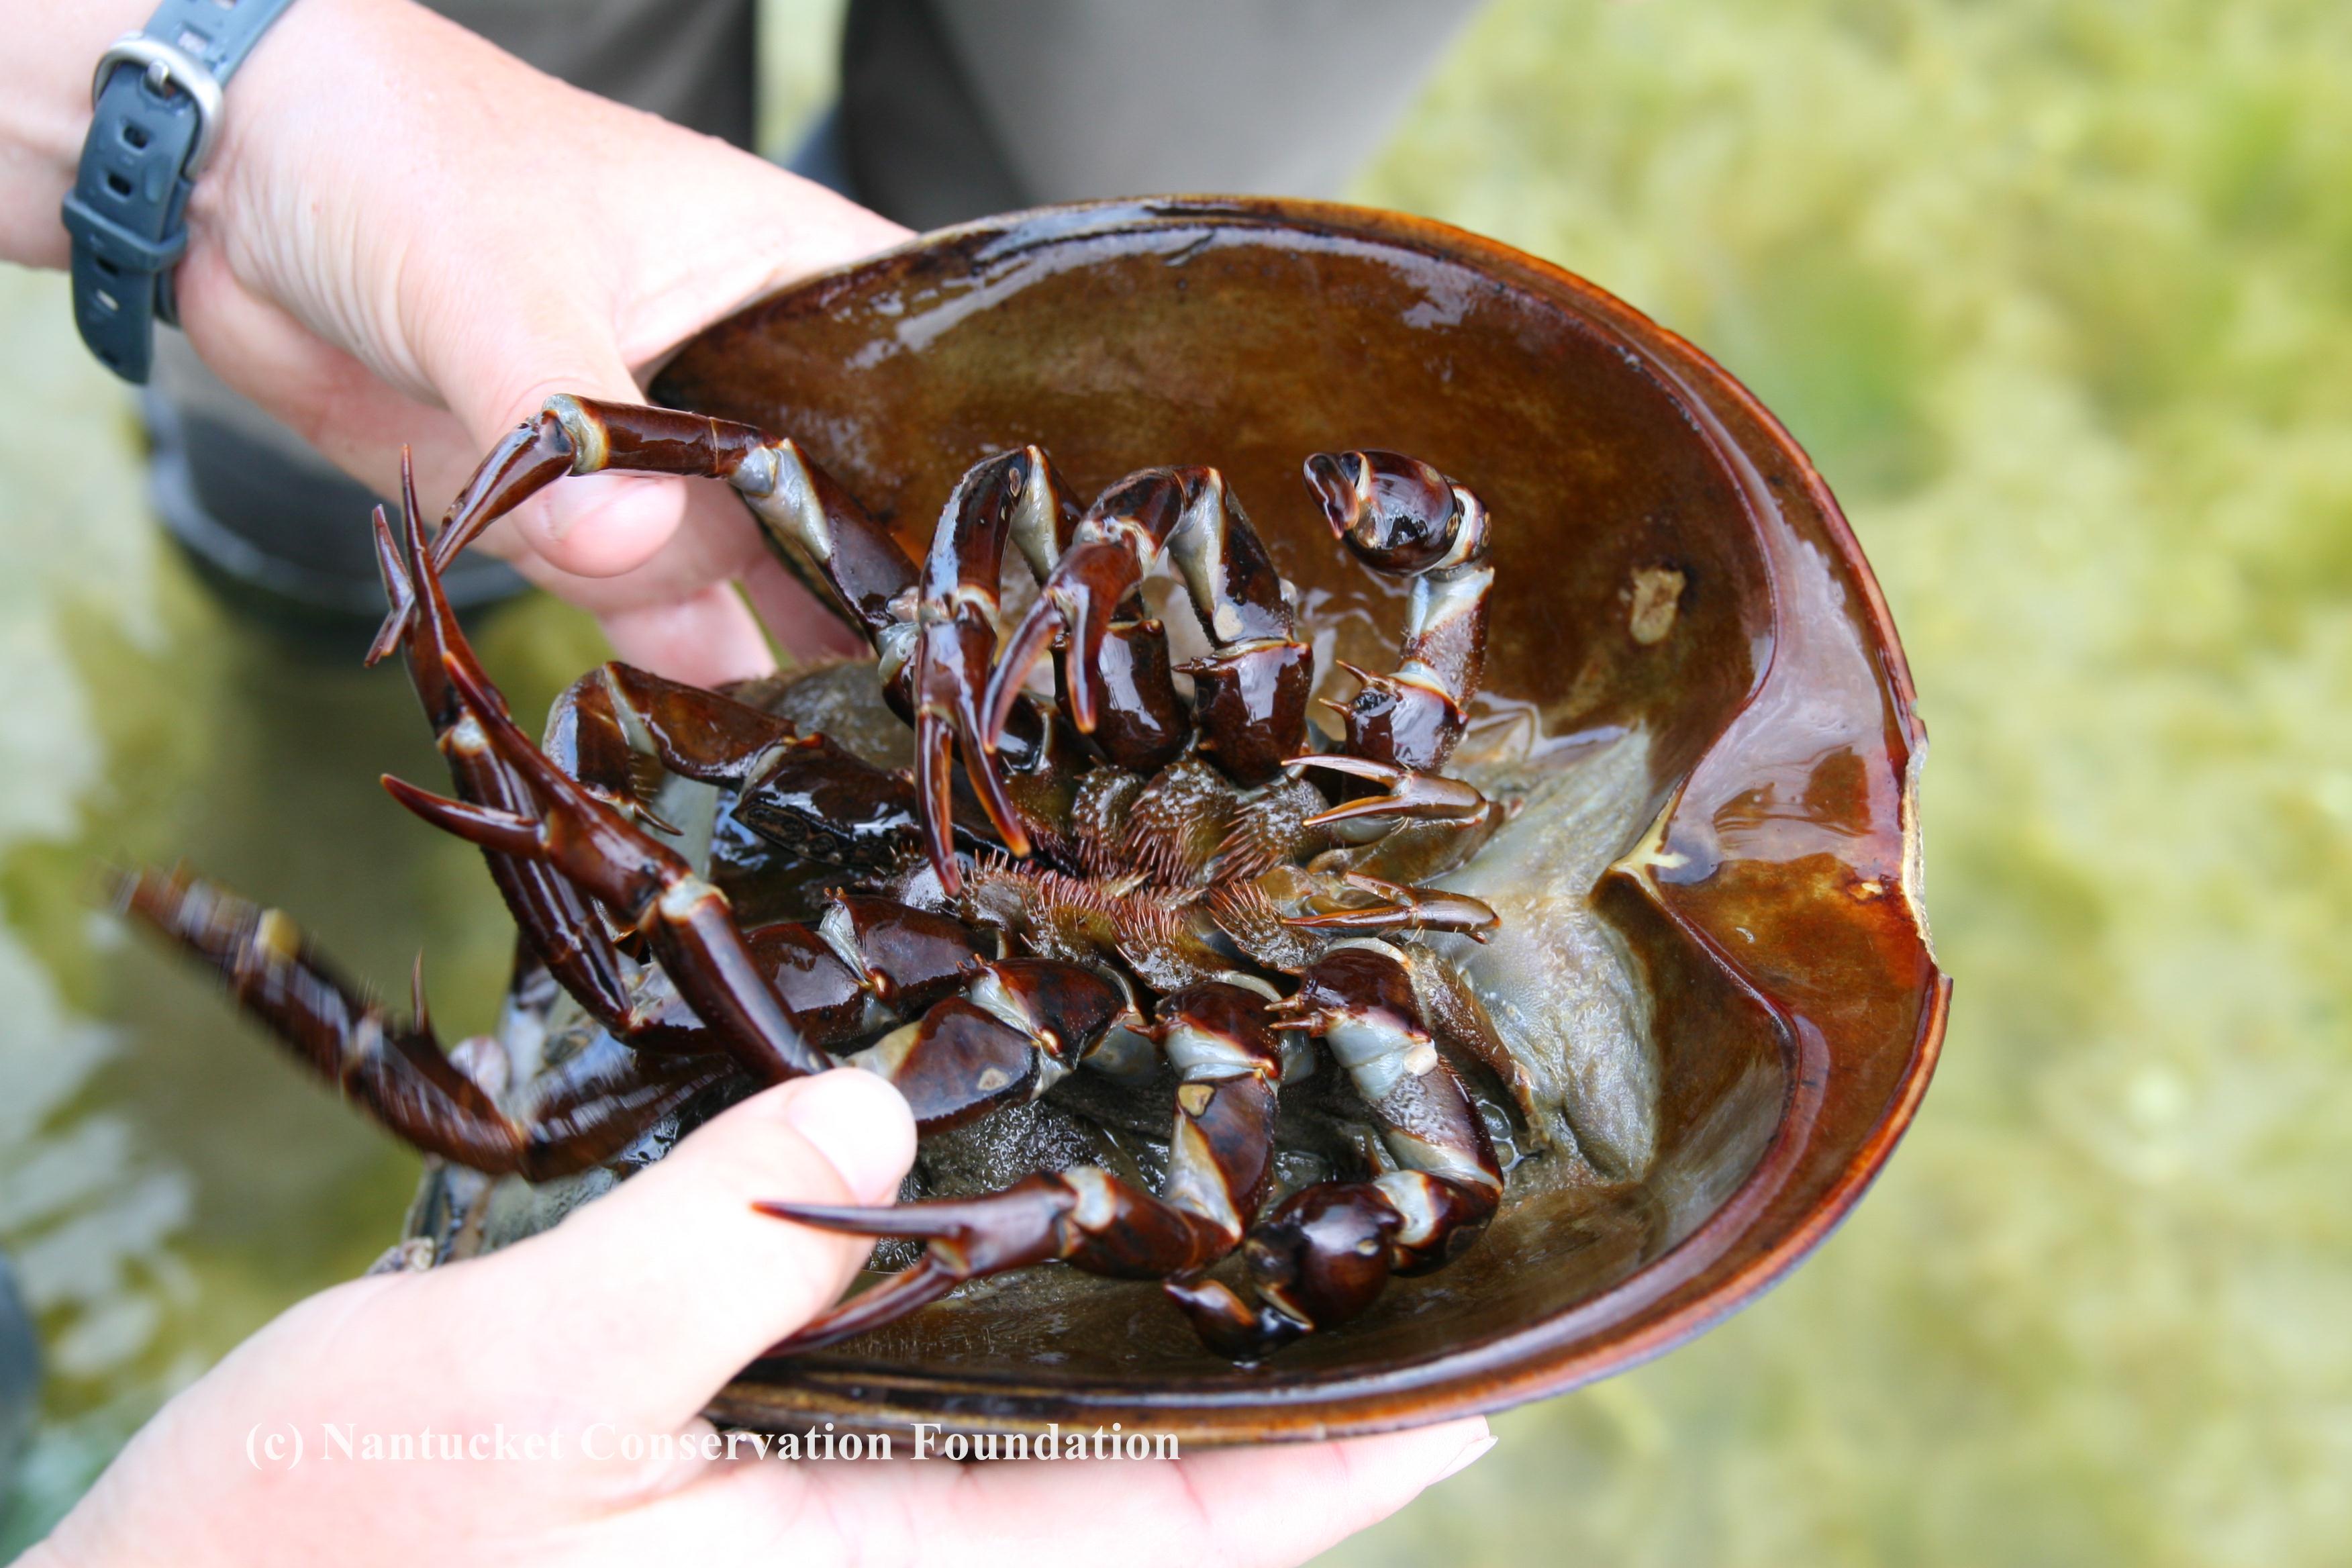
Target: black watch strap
{"points": [[157, 94]]}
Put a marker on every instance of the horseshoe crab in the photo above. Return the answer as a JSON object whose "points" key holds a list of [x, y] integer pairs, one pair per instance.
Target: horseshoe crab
{"points": [[1708, 982]]}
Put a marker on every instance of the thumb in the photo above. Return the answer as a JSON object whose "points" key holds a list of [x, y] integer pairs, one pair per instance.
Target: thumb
{"points": [[586, 536], [592, 525], [670, 1284]]}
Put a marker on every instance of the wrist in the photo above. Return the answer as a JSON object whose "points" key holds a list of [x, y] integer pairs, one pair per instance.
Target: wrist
{"points": [[45, 113], [311, 64], [161, 104], [45, 103], [41, 1554]]}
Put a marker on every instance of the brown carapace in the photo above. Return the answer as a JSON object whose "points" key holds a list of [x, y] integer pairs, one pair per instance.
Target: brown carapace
{"points": [[1120, 870]]}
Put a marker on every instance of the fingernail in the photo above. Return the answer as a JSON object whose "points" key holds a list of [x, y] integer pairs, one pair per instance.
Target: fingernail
{"points": [[1466, 1457], [859, 1124], [576, 500], [563, 509]]}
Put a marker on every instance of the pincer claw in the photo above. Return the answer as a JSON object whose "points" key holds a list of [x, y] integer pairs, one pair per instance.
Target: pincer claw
{"points": [[951, 670], [1425, 797], [971, 1237], [1024, 650], [1403, 908], [1078, 602]]}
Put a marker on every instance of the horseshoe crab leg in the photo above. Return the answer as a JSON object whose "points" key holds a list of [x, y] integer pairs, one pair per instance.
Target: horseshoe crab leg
{"points": [[956, 632], [865, 966], [1219, 1037], [1403, 519], [684, 919], [1423, 826], [398, 1072], [1010, 497], [827, 540], [803, 792], [1143, 727], [1421, 797], [985, 1033], [645, 885], [1020, 1026], [816, 527], [1403, 908], [1103, 564], [1250, 692], [547, 909], [1326, 1252], [1015, 496]]}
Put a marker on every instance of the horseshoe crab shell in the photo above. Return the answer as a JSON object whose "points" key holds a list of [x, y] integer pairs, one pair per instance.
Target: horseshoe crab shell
{"points": [[1678, 592]]}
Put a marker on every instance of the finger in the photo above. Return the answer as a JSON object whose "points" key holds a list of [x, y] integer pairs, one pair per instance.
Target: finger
{"points": [[659, 1292], [706, 639], [1273, 1506], [1237, 1508], [673, 616], [733, 243], [805, 624], [678, 616], [586, 528], [496, 369], [594, 525]]}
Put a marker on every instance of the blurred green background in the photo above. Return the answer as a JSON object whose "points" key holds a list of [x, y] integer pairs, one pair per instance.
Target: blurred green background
{"points": [[2058, 294]]}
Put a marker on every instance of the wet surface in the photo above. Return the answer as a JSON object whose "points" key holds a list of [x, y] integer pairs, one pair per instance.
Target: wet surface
{"points": [[1243, 334], [2055, 297]]}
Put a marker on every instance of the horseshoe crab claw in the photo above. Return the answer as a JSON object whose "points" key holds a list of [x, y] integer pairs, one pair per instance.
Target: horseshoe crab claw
{"points": [[1759, 708]]}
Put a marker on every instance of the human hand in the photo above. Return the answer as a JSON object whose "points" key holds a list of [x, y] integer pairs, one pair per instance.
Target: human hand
{"points": [[626, 1318], [409, 236]]}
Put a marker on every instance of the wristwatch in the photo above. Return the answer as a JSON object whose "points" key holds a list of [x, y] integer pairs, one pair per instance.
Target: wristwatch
{"points": [[157, 96]]}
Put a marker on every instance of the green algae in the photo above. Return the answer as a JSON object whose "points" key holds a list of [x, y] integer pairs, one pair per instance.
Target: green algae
{"points": [[2059, 296], [2060, 299]]}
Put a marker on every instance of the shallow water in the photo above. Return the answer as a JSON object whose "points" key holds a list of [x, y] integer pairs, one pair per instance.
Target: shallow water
{"points": [[2059, 295], [167, 1183]]}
